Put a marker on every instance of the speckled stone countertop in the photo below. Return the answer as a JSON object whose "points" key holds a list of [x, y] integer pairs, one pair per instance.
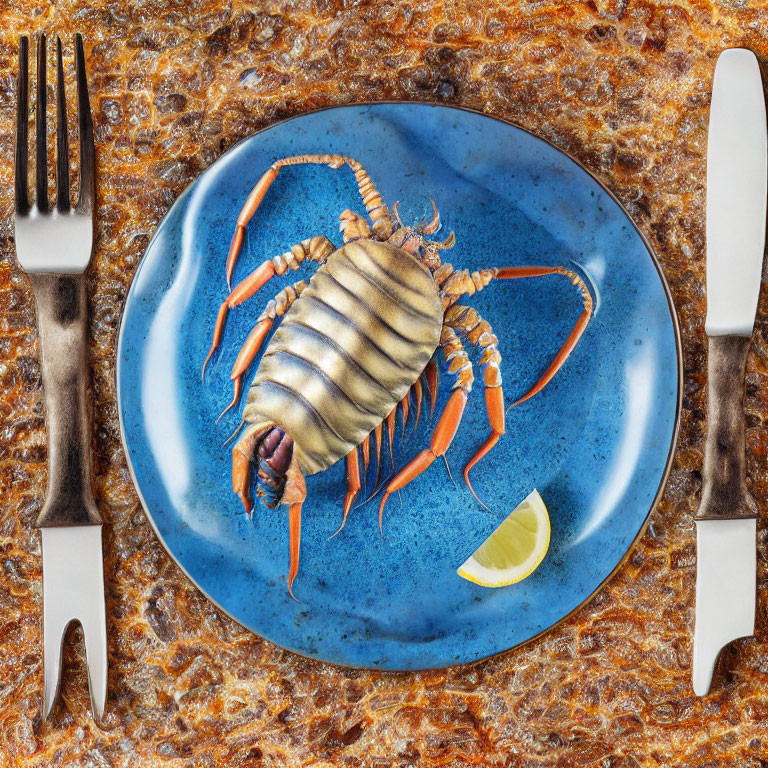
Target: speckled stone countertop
{"points": [[624, 86]]}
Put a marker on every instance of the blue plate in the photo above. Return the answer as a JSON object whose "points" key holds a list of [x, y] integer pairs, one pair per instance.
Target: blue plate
{"points": [[596, 443]]}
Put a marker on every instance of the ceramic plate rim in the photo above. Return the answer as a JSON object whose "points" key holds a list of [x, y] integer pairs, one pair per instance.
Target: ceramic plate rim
{"points": [[678, 399]]}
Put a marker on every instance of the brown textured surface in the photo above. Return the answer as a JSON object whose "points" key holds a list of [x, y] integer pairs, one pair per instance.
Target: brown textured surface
{"points": [[624, 86]]}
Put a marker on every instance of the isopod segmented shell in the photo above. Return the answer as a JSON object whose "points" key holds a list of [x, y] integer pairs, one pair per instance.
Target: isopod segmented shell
{"points": [[347, 351]]}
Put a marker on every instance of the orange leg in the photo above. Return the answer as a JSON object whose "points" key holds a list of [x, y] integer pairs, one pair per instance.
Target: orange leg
{"points": [[391, 434], [479, 333], [276, 308], [243, 290], [559, 359], [431, 377], [366, 446], [294, 495], [294, 529], [395, 213], [317, 249], [575, 334], [405, 403], [377, 433], [248, 351], [441, 440], [494, 403], [377, 211], [245, 215], [418, 394], [353, 486], [459, 366], [454, 285]]}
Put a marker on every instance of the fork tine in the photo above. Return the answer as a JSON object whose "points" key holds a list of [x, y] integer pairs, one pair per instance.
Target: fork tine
{"points": [[85, 133], [41, 133], [22, 117], [62, 138], [96, 659]]}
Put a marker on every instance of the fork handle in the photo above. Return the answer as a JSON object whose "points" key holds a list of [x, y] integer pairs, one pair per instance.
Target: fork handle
{"points": [[62, 327]]}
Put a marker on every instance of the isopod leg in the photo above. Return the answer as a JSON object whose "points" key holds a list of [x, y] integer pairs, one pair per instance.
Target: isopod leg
{"points": [[248, 351], [366, 448], [459, 366], [377, 210], [559, 359], [245, 215], [243, 290], [417, 395], [377, 433], [441, 440], [460, 283], [353, 486], [294, 495], [494, 403], [381, 221], [405, 406], [294, 531], [317, 249], [506, 273], [431, 377], [276, 308], [391, 434], [479, 333]]}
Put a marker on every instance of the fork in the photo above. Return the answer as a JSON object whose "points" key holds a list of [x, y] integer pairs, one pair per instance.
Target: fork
{"points": [[53, 247]]}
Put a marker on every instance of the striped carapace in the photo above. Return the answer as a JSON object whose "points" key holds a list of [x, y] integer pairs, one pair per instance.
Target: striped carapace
{"points": [[355, 343]]}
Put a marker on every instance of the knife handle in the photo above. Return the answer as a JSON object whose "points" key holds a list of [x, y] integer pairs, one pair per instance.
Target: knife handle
{"points": [[62, 328], [725, 495]]}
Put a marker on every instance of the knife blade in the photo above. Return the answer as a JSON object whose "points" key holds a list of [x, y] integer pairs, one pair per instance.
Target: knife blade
{"points": [[737, 182]]}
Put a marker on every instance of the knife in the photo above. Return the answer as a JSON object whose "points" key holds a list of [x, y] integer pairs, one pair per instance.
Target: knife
{"points": [[737, 171]]}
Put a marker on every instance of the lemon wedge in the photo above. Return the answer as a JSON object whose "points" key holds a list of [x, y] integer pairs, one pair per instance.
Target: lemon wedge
{"points": [[514, 550]]}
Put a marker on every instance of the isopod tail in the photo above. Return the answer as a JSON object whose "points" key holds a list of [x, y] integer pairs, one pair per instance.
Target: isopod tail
{"points": [[270, 449], [275, 453], [242, 462]]}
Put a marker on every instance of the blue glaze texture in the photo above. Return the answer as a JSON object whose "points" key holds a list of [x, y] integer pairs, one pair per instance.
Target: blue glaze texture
{"points": [[596, 443]]}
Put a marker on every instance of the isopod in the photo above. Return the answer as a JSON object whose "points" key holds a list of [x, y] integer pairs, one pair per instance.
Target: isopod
{"points": [[357, 341]]}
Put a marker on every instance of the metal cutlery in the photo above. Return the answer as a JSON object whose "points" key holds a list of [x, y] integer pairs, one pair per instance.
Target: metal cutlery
{"points": [[53, 247], [737, 169]]}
